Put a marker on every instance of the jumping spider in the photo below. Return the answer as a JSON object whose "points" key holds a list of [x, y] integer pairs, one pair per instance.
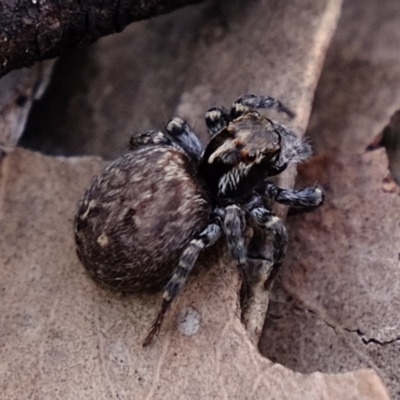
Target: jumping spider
{"points": [[144, 220]]}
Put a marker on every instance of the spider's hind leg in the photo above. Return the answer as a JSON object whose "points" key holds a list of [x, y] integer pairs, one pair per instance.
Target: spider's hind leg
{"points": [[178, 135], [148, 138], [186, 263], [251, 102]]}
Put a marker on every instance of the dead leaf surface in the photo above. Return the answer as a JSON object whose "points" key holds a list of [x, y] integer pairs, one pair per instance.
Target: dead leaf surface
{"points": [[338, 306], [64, 337]]}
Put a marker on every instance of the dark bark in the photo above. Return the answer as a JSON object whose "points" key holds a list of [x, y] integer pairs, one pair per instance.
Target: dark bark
{"points": [[34, 30]]}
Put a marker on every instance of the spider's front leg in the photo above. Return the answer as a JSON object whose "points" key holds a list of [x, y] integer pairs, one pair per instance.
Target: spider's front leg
{"points": [[234, 229], [186, 263], [181, 134], [216, 119], [265, 222], [234, 225], [310, 197], [251, 102]]}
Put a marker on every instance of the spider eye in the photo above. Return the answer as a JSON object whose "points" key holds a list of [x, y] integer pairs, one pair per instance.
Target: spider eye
{"points": [[251, 157]]}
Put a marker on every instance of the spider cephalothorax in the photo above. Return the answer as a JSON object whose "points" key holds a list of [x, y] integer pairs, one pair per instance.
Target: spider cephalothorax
{"points": [[144, 220]]}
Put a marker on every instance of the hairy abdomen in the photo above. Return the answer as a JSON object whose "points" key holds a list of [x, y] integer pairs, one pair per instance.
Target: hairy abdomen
{"points": [[136, 218]]}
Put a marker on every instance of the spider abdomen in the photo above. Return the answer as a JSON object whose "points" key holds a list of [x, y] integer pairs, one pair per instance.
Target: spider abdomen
{"points": [[137, 216]]}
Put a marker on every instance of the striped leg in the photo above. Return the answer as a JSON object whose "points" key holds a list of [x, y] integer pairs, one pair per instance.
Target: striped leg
{"points": [[234, 226], [251, 102], [309, 197], [296, 149], [188, 259], [146, 138], [268, 222], [216, 119], [181, 133]]}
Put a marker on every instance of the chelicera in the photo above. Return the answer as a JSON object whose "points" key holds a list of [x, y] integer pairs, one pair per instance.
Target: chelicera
{"points": [[145, 218]]}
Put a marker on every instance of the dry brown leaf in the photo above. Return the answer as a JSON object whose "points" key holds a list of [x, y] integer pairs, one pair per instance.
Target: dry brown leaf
{"points": [[64, 337], [342, 279]]}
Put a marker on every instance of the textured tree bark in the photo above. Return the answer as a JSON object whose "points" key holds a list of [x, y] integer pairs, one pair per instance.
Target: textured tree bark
{"points": [[35, 30]]}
